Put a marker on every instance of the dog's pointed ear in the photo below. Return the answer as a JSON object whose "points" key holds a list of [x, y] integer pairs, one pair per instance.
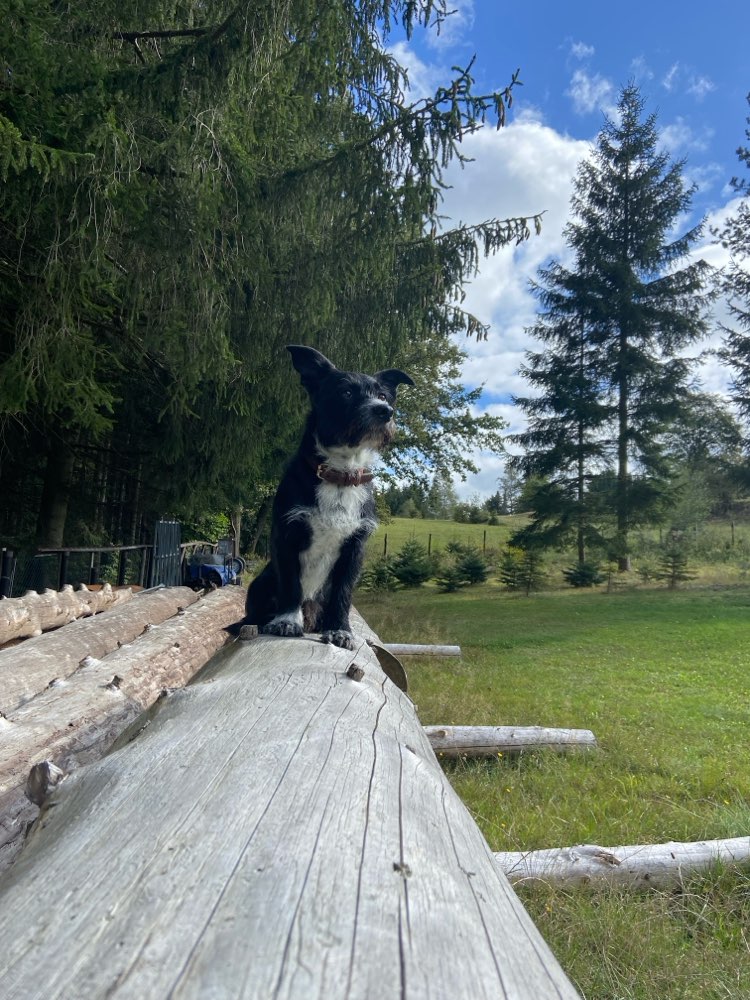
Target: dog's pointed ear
{"points": [[392, 378], [311, 365]]}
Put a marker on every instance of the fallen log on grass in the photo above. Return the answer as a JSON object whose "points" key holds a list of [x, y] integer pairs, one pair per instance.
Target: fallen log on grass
{"points": [[35, 613], [77, 719], [639, 866], [491, 741], [418, 649], [28, 668], [282, 828]]}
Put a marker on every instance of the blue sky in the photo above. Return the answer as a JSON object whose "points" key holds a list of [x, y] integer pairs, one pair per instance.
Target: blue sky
{"points": [[692, 64]]}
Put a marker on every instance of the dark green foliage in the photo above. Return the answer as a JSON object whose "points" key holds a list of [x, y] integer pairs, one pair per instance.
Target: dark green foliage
{"points": [[378, 577], [735, 284], [472, 566], [522, 569], [585, 574], [673, 564], [613, 373], [449, 578], [412, 566], [200, 200]]}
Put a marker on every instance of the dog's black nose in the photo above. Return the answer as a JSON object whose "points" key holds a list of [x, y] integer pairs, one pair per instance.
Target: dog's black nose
{"points": [[382, 410]]}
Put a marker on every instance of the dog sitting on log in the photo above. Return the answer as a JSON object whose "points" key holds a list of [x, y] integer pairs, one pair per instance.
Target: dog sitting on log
{"points": [[324, 510]]}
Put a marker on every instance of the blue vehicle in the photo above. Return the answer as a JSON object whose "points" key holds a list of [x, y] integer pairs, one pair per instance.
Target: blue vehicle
{"points": [[211, 566]]}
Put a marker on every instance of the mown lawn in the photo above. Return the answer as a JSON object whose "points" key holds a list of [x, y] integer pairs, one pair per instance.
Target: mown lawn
{"points": [[663, 679]]}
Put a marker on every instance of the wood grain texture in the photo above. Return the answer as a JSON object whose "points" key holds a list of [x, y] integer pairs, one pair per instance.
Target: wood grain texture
{"points": [[77, 719], [489, 741], [279, 830], [644, 866], [35, 613], [28, 668]]}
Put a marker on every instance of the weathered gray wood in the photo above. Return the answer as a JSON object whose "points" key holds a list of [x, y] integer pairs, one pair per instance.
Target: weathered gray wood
{"points": [[279, 830], [28, 668], [420, 649], [489, 741], [77, 719], [647, 865], [35, 613]]}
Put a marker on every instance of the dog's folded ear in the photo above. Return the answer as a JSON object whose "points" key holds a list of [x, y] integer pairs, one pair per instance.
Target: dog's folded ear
{"points": [[392, 378], [311, 364]]}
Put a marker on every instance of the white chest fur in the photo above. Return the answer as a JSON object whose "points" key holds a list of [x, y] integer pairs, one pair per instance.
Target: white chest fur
{"points": [[334, 518]]}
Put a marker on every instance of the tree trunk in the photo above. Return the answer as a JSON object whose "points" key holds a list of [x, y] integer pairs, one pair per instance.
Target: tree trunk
{"points": [[280, 829], [35, 613], [53, 508], [260, 522], [76, 720], [491, 741], [646, 866], [27, 669]]}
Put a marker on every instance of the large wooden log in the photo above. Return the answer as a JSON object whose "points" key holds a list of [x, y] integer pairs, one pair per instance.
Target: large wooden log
{"points": [[35, 613], [28, 668], [489, 741], [647, 865], [280, 829], [420, 649], [77, 719]]}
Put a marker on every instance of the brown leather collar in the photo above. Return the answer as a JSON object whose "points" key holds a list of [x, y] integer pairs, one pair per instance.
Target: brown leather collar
{"points": [[340, 478]]}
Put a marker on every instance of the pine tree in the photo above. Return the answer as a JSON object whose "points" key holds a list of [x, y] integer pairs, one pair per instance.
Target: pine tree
{"points": [[735, 284], [211, 182], [617, 321]]}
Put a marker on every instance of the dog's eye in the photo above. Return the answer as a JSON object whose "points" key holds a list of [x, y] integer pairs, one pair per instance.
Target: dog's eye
{"points": [[381, 395], [347, 393]]}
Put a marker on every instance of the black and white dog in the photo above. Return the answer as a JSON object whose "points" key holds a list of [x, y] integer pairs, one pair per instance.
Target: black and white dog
{"points": [[324, 511]]}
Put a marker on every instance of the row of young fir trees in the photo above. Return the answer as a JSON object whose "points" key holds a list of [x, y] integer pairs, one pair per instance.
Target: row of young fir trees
{"points": [[612, 374]]}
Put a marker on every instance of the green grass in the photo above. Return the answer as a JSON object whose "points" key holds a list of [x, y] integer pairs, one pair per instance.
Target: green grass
{"points": [[663, 679]]}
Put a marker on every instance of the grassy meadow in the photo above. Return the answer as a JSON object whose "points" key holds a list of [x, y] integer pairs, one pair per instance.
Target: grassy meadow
{"points": [[662, 677]]}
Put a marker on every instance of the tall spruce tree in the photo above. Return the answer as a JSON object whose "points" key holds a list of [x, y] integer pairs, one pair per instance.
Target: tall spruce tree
{"points": [[634, 300], [566, 442], [735, 284], [209, 182]]}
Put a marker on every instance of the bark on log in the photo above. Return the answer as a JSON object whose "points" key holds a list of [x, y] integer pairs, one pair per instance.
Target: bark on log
{"points": [[28, 668], [418, 649], [278, 830], [35, 613], [648, 865], [77, 719], [489, 741]]}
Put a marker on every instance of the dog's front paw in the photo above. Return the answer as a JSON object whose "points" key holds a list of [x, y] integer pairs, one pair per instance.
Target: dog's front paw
{"points": [[338, 637], [288, 629]]}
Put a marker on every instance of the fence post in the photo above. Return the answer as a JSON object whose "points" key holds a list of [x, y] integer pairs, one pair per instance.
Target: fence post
{"points": [[7, 568]]}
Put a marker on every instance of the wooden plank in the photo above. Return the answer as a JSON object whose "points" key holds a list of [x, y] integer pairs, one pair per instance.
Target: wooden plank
{"points": [[489, 741], [420, 649], [278, 830], [644, 866], [77, 719], [35, 613], [27, 669]]}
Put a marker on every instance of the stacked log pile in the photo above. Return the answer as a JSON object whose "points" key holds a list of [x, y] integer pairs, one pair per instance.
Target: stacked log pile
{"points": [[65, 697], [35, 613]]}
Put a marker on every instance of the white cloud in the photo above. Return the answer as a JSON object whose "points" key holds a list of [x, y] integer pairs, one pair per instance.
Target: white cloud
{"points": [[669, 81], [455, 27], [641, 69], [424, 78], [590, 92], [580, 50], [700, 86]]}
